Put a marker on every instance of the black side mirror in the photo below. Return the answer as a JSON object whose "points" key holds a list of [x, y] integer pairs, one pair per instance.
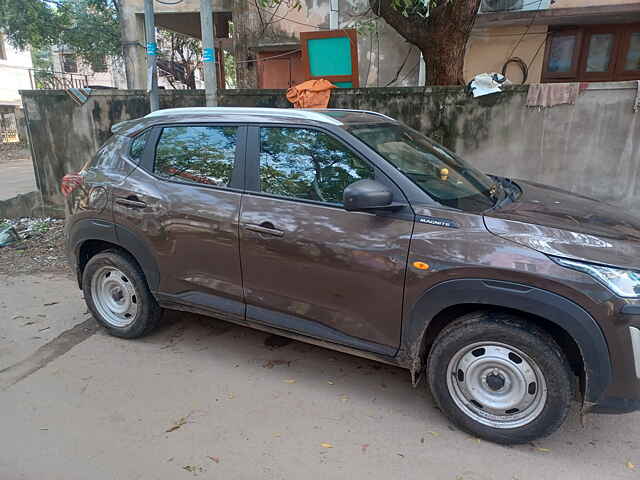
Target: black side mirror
{"points": [[367, 195]]}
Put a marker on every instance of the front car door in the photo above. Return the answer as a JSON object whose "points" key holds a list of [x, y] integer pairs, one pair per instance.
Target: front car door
{"points": [[182, 206], [309, 265]]}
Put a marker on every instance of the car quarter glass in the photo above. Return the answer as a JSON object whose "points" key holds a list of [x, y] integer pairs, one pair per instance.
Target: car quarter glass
{"points": [[196, 154], [138, 145], [307, 164]]}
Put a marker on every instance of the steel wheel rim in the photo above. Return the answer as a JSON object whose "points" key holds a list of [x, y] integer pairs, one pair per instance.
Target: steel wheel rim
{"points": [[114, 296], [496, 385]]}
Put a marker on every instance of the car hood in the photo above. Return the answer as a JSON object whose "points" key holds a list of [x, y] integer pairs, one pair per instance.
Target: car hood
{"points": [[560, 223]]}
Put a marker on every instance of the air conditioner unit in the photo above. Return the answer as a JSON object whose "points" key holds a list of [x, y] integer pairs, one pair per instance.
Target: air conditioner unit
{"points": [[492, 6]]}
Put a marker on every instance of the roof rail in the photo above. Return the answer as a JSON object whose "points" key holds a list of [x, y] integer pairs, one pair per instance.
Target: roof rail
{"points": [[378, 114], [283, 112]]}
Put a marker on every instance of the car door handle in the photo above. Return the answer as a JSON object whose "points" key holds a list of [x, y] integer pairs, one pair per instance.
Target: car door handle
{"points": [[266, 228], [131, 201]]}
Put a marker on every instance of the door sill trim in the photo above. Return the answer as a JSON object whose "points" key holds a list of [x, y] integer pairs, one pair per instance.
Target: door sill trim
{"points": [[356, 347]]}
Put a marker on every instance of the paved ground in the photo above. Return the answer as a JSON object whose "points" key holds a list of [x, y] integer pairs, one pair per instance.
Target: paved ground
{"points": [[204, 398], [16, 177]]}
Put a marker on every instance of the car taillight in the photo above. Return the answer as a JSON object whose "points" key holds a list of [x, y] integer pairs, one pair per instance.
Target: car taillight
{"points": [[70, 182]]}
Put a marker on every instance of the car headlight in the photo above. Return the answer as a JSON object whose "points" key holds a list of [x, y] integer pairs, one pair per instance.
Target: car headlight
{"points": [[625, 283]]}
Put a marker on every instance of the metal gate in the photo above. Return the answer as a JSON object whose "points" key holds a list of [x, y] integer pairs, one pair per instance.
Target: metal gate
{"points": [[8, 128]]}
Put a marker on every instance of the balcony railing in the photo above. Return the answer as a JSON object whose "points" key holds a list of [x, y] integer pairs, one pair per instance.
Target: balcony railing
{"points": [[50, 80]]}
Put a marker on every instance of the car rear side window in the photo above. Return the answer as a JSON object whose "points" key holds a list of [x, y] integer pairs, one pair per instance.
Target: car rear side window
{"points": [[307, 164], [137, 146], [196, 154]]}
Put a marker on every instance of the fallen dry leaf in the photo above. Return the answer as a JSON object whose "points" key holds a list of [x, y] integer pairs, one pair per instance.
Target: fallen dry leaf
{"points": [[231, 396], [344, 398], [290, 380], [276, 435], [631, 466], [435, 434], [275, 363], [543, 450], [326, 445], [179, 423]]}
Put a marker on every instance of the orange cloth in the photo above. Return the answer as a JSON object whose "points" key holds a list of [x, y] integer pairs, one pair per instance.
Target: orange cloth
{"points": [[311, 94]]}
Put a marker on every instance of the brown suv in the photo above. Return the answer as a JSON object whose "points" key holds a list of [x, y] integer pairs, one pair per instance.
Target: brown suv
{"points": [[350, 230]]}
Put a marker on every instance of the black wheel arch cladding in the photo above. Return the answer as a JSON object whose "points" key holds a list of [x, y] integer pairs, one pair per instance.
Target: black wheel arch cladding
{"points": [[484, 293], [90, 229]]}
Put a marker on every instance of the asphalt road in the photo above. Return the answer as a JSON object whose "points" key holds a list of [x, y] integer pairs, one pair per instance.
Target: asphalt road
{"points": [[204, 398]]}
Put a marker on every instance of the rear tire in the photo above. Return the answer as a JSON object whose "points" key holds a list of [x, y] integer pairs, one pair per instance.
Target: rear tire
{"points": [[500, 378], [118, 296]]}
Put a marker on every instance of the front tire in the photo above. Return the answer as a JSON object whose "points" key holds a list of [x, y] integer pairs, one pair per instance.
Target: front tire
{"points": [[117, 295], [500, 378]]}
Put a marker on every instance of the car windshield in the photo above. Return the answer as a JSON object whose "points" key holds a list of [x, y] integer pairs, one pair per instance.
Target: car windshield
{"points": [[446, 178]]}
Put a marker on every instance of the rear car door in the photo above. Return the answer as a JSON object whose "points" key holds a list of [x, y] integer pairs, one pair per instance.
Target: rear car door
{"points": [[180, 211], [309, 265]]}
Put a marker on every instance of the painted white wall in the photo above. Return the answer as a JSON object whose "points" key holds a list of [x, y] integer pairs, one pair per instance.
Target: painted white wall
{"points": [[14, 74]]}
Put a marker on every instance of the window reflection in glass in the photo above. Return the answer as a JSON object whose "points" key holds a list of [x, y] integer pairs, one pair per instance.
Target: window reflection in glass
{"points": [[599, 55], [633, 54], [441, 174], [137, 145], [307, 164], [196, 154], [561, 54]]}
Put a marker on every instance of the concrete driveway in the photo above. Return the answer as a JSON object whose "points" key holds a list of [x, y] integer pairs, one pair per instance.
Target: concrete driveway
{"points": [[16, 177], [204, 398]]}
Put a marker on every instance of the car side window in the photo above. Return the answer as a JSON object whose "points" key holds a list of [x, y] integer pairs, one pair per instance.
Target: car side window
{"points": [[196, 154], [137, 146], [307, 164]]}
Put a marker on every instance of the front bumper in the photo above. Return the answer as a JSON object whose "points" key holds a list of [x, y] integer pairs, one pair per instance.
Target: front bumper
{"points": [[625, 399]]}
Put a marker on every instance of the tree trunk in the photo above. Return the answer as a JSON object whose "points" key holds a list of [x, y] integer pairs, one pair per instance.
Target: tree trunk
{"points": [[246, 27], [441, 37]]}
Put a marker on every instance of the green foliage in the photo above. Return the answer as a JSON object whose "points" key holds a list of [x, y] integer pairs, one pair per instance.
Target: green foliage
{"points": [[88, 27], [43, 74], [365, 26], [412, 7], [229, 69], [302, 163], [197, 154], [293, 4], [41, 59], [180, 56]]}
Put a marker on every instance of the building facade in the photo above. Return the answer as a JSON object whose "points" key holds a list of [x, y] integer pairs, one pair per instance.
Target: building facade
{"points": [[558, 41], [15, 68], [74, 72], [533, 41], [14, 73]]}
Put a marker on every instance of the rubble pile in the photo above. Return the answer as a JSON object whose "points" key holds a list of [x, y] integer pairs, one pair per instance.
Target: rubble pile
{"points": [[31, 245]]}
